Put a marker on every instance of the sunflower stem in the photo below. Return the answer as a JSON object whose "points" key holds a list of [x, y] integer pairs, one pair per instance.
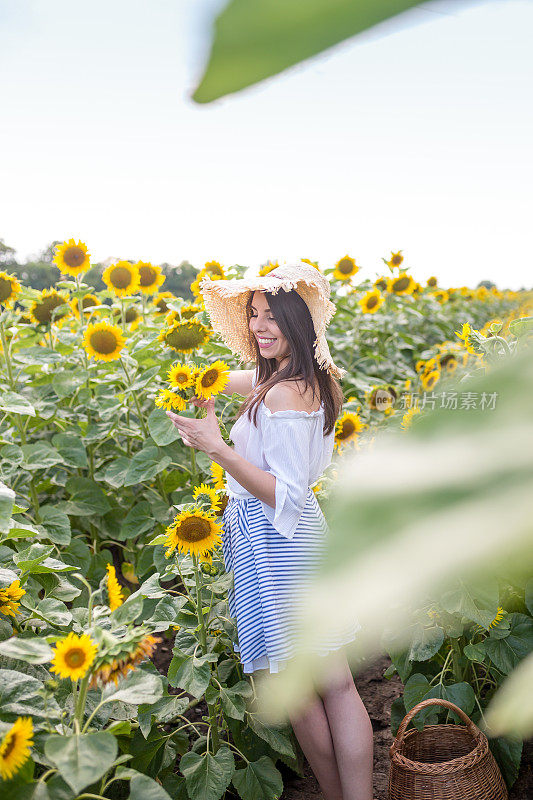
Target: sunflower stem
{"points": [[33, 490], [80, 305], [143, 307], [6, 354], [123, 315], [213, 723], [80, 705]]}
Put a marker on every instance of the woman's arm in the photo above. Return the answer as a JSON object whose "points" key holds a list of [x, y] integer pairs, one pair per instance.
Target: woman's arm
{"points": [[254, 479], [240, 380]]}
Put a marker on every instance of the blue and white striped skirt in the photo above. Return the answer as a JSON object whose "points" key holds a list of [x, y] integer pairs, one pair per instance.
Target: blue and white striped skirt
{"points": [[269, 572]]}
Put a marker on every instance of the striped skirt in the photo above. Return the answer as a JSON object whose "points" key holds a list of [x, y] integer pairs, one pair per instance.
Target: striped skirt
{"points": [[269, 572]]}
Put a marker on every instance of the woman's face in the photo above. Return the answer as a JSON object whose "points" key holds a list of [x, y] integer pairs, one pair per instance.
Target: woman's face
{"points": [[272, 343]]}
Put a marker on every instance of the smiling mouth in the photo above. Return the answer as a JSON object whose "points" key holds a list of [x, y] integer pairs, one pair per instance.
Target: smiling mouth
{"points": [[264, 341]]}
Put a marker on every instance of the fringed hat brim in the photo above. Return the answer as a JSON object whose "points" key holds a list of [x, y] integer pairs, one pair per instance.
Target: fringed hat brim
{"points": [[225, 302]]}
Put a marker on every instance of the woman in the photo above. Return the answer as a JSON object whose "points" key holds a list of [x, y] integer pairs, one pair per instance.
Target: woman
{"points": [[274, 529]]}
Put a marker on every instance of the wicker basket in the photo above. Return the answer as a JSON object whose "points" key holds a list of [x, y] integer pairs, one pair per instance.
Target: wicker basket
{"points": [[443, 762]]}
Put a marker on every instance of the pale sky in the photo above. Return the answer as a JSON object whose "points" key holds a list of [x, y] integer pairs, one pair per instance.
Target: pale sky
{"points": [[415, 137]]}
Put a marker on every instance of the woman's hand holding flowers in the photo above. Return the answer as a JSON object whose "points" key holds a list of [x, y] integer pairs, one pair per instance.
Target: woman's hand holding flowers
{"points": [[202, 434]]}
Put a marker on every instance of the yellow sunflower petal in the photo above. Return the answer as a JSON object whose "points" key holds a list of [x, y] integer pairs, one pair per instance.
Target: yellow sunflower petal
{"points": [[114, 590], [15, 747]]}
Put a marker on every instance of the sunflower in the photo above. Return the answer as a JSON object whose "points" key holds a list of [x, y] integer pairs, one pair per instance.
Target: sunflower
{"points": [[122, 278], [132, 317], [402, 284], [114, 590], [449, 363], [87, 301], [223, 500], [465, 337], [430, 365], [42, 309], [160, 302], [347, 428], [345, 269], [103, 341], [430, 379], [73, 656], [213, 268], [150, 277], [214, 276], [268, 267], [10, 288], [432, 282], [218, 475], [9, 599], [190, 310], [371, 301], [441, 295], [212, 379], [407, 418], [205, 494], [72, 258], [381, 398], [194, 531], [15, 747], [395, 259], [381, 283], [126, 656], [180, 376], [185, 336], [170, 400]]}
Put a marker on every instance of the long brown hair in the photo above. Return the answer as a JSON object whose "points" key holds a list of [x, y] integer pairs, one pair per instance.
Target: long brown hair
{"points": [[294, 321]]}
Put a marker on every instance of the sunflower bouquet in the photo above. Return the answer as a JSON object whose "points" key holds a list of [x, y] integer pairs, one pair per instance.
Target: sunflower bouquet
{"points": [[189, 380]]}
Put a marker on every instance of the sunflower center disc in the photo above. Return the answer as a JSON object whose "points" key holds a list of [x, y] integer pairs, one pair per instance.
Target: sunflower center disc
{"points": [[5, 289], [73, 257], [75, 657], [104, 342], [209, 378], [347, 429], [120, 277], [401, 284], [10, 747], [148, 276], [345, 266], [43, 311], [194, 529]]}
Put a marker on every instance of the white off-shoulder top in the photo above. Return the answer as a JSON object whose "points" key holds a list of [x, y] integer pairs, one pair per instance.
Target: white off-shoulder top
{"points": [[291, 446]]}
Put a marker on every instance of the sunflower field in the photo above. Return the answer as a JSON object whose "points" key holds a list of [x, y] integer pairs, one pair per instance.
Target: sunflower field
{"points": [[110, 526]]}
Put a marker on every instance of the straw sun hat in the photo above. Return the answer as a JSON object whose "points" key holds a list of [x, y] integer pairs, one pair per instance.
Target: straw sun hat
{"points": [[225, 303]]}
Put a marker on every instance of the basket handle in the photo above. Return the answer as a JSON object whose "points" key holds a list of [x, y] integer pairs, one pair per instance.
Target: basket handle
{"points": [[474, 730]]}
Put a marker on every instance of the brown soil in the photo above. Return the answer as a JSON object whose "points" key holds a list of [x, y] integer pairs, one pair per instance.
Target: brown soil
{"points": [[377, 694]]}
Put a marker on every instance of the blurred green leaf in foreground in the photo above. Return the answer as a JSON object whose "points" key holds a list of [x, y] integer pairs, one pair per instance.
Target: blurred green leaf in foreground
{"points": [[254, 39], [450, 500]]}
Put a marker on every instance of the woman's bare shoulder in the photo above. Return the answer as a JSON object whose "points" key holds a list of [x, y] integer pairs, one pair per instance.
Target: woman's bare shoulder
{"points": [[286, 395]]}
